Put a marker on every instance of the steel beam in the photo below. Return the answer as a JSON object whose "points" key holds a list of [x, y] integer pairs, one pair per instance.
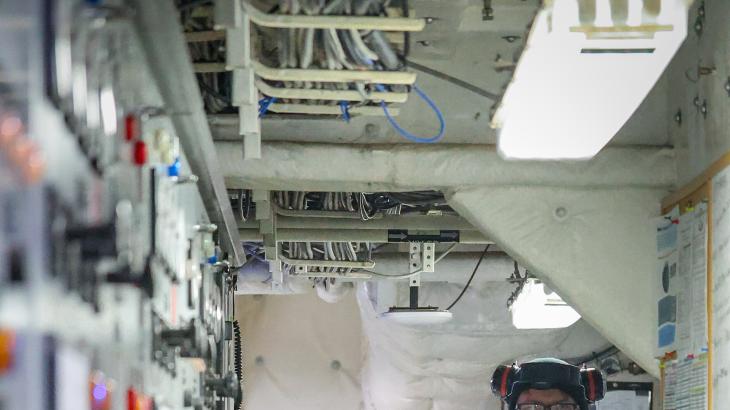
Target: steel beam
{"points": [[166, 52]]}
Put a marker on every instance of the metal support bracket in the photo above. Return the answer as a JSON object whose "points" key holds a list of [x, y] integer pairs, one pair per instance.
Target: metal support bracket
{"points": [[422, 257], [231, 16], [267, 222], [428, 257], [415, 261], [277, 275]]}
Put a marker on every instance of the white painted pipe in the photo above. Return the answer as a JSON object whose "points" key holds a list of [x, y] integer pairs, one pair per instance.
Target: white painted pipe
{"points": [[333, 22], [331, 95], [313, 109], [331, 76], [403, 167], [344, 235]]}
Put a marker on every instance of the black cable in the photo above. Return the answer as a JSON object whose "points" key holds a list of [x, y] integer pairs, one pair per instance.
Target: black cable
{"points": [[406, 35], [481, 258], [453, 80], [238, 362]]}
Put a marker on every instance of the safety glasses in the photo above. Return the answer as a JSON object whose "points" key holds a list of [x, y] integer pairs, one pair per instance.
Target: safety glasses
{"points": [[537, 406]]}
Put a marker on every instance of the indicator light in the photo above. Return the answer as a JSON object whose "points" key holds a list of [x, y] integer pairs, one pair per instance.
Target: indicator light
{"points": [[7, 350], [100, 392], [139, 153], [132, 399], [174, 169], [131, 127]]}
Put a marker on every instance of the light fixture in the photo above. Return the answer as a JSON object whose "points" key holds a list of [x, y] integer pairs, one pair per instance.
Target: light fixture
{"points": [[538, 307], [417, 316], [584, 71], [413, 315]]}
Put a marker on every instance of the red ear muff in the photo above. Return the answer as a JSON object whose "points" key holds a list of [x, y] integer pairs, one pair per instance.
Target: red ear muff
{"points": [[502, 380], [593, 383]]}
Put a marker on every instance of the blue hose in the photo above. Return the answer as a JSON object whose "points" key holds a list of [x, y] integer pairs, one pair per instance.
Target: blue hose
{"points": [[264, 104], [407, 135], [345, 109]]}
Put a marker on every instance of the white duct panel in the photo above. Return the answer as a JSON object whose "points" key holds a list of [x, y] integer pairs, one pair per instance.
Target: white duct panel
{"points": [[595, 247], [586, 68]]}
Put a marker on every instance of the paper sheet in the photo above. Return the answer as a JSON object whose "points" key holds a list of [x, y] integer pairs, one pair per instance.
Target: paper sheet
{"points": [[698, 281], [685, 384], [721, 289], [667, 281], [685, 305], [682, 282]]}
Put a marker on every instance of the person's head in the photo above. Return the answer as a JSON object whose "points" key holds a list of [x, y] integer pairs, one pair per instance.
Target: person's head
{"points": [[547, 383], [533, 398]]}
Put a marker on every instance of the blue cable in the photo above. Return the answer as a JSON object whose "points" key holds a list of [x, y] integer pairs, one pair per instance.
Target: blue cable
{"points": [[264, 105], [345, 109], [407, 135]]}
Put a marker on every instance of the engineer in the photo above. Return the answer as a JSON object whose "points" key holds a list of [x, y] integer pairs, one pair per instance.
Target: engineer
{"points": [[548, 384]]}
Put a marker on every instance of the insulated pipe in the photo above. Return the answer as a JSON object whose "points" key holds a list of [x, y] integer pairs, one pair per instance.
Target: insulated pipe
{"points": [[425, 223], [346, 235], [310, 109], [332, 22], [327, 263], [319, 214], [326, 76], [404, 167], [331, 95]]}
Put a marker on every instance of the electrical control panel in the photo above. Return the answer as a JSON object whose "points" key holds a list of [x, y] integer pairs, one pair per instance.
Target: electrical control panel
{"points": [[114, 293]]}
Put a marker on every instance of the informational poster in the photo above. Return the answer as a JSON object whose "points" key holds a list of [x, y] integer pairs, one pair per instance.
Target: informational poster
{"points": [[682, 282], [667, 281], [721, 290], [685, 383], [698, 281], [684, 278]]}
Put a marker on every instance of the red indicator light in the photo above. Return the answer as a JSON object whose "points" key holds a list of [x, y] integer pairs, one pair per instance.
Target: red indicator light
{"points": [[131, 399], [131, 127], [139, 154]]}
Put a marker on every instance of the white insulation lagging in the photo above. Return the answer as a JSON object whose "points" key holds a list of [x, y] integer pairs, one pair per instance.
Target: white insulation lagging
{"points": [[449, 366]]}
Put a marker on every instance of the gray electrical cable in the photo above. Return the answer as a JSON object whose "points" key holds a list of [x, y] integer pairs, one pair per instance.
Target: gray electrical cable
{"points": [[382, 48]]}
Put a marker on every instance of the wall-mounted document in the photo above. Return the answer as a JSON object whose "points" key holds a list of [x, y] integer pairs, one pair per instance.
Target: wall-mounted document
{"points": [[667, 281], [685, 384], [721, 289]]}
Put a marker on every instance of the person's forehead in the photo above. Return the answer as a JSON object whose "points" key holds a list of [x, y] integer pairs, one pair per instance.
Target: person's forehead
{"points": [[544, 396]]}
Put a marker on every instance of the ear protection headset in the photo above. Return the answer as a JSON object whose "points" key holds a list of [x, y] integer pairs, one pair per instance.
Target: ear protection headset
{"points": [[585, 386]]}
